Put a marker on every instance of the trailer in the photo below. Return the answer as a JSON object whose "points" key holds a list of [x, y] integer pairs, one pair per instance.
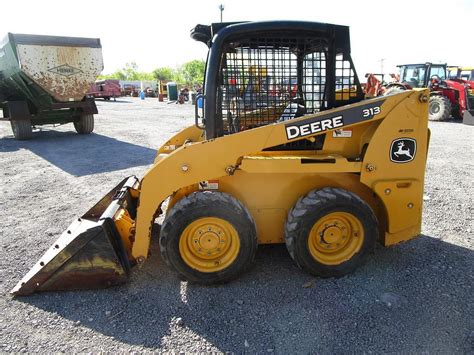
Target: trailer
{"points": [[44, 80], [105, 89]]}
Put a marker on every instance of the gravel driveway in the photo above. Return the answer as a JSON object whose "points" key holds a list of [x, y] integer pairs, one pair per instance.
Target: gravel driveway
{"points": [[412, 298]]}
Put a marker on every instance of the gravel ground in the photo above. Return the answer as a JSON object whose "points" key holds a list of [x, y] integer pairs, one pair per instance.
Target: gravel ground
{"points": [[412, 298]]}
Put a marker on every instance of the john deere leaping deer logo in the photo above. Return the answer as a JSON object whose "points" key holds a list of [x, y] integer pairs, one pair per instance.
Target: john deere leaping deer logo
{"points": [[403, 150]]}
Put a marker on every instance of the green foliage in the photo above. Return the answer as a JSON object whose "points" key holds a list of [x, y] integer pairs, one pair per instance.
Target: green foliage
{"points": [[164, 73], [128, 72], [189, 73], [193, 71]]}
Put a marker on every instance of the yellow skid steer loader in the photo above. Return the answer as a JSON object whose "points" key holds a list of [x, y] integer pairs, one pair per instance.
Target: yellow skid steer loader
{"points": [[284, 150]]}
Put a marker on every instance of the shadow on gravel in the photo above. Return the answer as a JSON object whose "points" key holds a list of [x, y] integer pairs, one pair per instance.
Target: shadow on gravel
{"points": [[412, 298], [81, 155]]}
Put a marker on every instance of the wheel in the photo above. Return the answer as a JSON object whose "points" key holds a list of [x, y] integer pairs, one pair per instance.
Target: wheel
{"points": [[85, 124], [329, 232], [208, 237], [393, 90], [22, 129], [439, 108]]}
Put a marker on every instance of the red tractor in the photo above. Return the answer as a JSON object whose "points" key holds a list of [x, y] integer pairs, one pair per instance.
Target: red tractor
{"points": [[447, 96], [465, 75]]}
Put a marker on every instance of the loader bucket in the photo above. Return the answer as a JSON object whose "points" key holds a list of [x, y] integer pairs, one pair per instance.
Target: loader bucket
{"points": [[90, 253], [468, 117]]}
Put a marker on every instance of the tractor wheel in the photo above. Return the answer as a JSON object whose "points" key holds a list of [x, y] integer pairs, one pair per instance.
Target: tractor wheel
{"points": [[22, 129], [208, 237], [393, 90], [329, 232], [439, 108], [85, 124]]}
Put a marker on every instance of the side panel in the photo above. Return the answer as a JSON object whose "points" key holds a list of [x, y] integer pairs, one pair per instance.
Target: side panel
{"points": [[8, 68], [269, 197], [66, 73], [398, 180]]}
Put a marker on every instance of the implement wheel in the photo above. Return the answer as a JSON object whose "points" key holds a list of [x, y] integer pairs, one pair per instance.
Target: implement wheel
{"points": [[22, 129], [85, 124], [208, 237], [329, 232]]}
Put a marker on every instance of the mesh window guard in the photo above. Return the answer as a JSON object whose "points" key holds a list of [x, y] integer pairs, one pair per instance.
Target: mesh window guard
{"points": [[267, 80], [345, 80]]}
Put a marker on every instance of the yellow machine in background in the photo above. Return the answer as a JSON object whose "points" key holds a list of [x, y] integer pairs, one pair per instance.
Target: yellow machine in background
{"points": [[162, 90], [330, 175]]}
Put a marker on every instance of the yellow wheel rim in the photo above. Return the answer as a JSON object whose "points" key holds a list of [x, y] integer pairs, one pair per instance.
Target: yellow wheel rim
{"points": [[335, 238], [209, 244]]}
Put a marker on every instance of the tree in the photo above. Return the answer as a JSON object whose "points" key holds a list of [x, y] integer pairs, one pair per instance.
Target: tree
{"points": [[189, 73], [130, 71], [163, 73], [193, 71], [117, 75]]}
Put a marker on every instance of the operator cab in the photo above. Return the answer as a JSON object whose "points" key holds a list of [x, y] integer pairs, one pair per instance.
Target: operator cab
{"points": [[261, 73], [420, 75]]}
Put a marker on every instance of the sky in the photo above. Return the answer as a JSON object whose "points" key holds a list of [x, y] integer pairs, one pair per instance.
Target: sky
{"points": [[156, 33]]}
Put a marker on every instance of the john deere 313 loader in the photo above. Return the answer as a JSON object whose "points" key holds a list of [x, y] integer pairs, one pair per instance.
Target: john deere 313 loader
{"points": [[285, 150]]}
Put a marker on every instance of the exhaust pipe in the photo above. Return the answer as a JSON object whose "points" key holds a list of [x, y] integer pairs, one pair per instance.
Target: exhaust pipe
{"points": [[92, 253]]}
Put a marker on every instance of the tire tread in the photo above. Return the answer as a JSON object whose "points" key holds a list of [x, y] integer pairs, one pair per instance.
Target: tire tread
{"points": [[327, 195], [201, 200]]}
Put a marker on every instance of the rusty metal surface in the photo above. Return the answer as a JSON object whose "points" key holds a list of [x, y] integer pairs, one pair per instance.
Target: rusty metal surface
{"points": [[89, 254], [84, 257], [66, 73]]}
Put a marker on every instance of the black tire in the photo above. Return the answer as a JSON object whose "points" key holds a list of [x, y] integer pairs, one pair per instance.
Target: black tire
{"points": [[317, 207], [200, 206], [439, 108], [85, 124], [22, 129], [393, 90]]}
